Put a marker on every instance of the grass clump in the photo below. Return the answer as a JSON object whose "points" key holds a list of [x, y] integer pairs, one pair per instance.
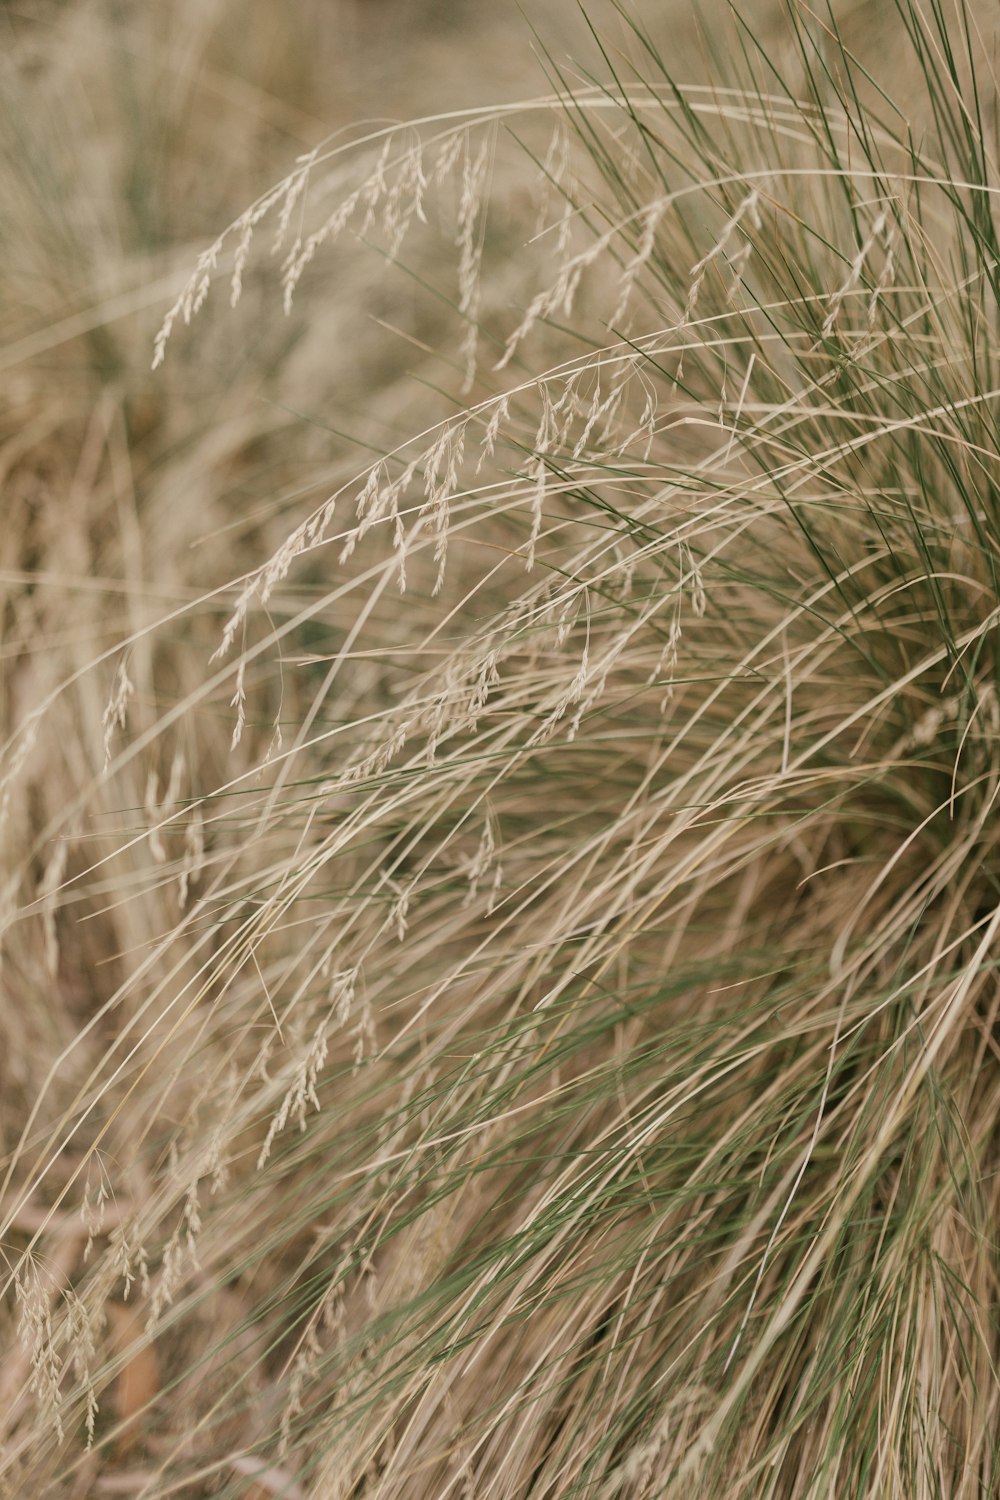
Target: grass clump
{"points": [[552, 1044]]}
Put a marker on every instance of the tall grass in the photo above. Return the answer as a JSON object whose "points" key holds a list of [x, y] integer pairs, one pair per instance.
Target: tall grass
{"points": [[500, 989]]}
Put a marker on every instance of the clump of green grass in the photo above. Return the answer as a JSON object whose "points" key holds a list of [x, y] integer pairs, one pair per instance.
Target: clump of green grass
{"points": [[569, 1066]]}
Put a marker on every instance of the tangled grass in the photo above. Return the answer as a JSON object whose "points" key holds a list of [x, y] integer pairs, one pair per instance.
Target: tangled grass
{"points": [[500, 999]]}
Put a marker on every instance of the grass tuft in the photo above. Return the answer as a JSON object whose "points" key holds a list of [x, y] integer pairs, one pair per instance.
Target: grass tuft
{"points": [[500, 989]]}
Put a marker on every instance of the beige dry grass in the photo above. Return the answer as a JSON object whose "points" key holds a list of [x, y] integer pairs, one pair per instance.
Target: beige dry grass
{"points": [[501, 750]]}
